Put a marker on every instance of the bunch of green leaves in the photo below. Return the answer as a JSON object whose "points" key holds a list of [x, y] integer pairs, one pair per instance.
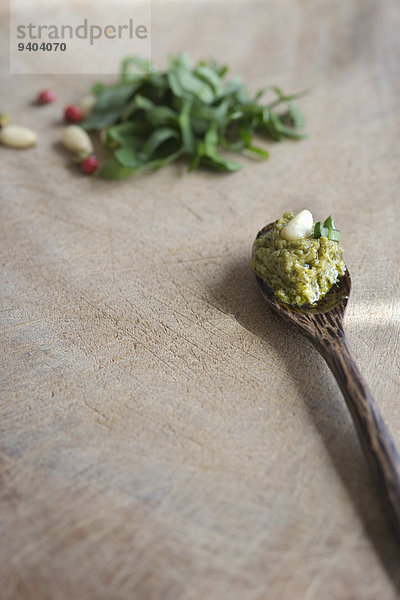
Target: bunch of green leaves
{"points": [[151, 118]]}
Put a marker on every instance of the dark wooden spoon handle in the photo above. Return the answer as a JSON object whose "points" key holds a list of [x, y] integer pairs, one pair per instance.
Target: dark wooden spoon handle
{"points": [[375, 438]]}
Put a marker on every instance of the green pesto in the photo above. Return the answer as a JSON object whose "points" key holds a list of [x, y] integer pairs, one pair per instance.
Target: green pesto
{"points": [[300, 271]]}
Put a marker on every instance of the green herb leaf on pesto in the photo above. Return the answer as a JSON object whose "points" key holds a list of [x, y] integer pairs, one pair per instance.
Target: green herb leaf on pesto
{"points": [[327, 230], [329, 222]]}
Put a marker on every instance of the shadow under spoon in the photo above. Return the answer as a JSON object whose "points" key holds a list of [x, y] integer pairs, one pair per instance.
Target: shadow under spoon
{"points": [[323, 325]]}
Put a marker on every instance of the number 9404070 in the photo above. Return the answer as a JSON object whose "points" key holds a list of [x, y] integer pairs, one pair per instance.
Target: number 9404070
{"points": [[43, 46]]}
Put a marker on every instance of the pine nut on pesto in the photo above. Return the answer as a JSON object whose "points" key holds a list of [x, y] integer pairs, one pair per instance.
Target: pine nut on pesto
{"points": [[299, 271]]}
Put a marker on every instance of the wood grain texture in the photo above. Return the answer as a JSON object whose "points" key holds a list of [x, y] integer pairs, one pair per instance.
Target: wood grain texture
{"points": [[164, 435]]}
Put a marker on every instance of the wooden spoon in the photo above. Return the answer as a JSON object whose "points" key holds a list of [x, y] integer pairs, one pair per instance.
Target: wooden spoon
{"points": [[323, 325]]}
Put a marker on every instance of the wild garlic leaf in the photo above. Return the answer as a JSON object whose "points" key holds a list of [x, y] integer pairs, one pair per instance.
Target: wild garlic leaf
{"points": [[109, 106], [210, 155], [124, 131], [188, 138], [115, 97], [161, 115], [260, 152], [129, 156], [129, 74], [157, 138], [157, 163], [221, 164], [114, 170], [100, 120], [210, 77], [295, 116]]}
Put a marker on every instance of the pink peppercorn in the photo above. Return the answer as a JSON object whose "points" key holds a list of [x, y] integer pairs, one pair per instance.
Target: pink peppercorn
{"points": [[46, 96], [90, 165], [73, 114]]}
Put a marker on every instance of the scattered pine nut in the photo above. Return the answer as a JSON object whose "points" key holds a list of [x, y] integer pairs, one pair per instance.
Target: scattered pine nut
{"points": [[300, 226], [77, 140], [15, 136]]}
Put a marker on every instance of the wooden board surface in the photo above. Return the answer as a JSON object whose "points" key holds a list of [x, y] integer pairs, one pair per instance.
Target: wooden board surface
{"points": [[164, 436]]}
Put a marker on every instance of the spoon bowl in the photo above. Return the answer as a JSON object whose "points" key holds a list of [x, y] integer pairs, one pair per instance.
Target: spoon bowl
{"points": [[322, 323]]}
